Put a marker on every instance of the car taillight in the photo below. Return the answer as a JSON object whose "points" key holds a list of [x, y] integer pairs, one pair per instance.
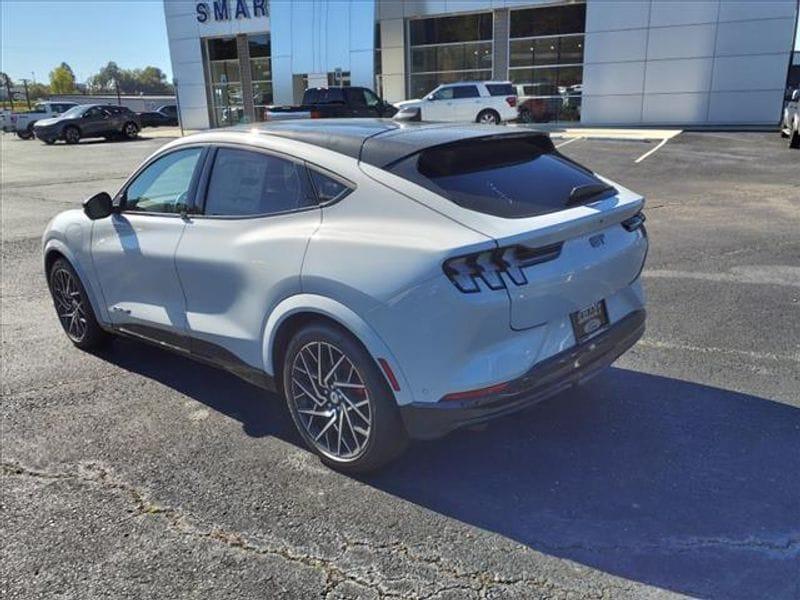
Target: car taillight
{"points": [[512, 101], [635, 222], [495, 268], [315, 114]]}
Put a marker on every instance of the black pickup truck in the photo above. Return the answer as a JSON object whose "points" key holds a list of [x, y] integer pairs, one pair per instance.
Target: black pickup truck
{"points": [[334, 102]]}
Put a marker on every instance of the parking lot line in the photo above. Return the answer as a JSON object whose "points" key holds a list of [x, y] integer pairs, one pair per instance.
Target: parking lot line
{"points": [[649, 152], [568, 142]]}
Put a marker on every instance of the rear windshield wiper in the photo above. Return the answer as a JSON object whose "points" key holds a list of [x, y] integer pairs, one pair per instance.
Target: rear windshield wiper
{"points": [[583, 194]]}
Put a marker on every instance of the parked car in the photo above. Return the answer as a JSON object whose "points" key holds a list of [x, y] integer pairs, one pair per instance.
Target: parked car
{"points": [[391, 281], [545, 103], [5, 120], [23, 122], [89, 121], [790, 123], [333, 102], [163, 116], [488, 102]]}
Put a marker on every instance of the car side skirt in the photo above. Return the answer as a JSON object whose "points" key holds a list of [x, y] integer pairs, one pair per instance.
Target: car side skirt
{"points": [[198, 350]]}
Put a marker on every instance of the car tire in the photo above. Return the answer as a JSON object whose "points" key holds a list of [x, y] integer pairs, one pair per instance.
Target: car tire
{"points": [[794, 137], [349, 416], [525, 116], [130, 130], [26, 134], [49, 142], [73, 309], [488, 117], [72, 135]]}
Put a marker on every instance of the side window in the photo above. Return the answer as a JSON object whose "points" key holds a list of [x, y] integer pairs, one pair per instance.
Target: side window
{"points": [[371, 99], [327, 188], [163, 186], [245, 183], [500, 89], [93, 112], [466, 91], [444, 94]]}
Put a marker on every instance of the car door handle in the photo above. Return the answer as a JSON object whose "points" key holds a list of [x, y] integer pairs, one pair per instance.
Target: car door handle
{"points": [[119, 309]]}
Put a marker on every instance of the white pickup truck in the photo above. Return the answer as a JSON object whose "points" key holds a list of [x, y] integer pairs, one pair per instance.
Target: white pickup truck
{"points": [[23, 123]]}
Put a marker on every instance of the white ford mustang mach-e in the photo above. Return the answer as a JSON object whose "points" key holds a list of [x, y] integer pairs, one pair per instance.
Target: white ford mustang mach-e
{"points": [[390, 280]]}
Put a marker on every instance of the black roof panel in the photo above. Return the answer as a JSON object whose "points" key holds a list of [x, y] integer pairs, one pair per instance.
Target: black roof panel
{"points": [[380, 142]]}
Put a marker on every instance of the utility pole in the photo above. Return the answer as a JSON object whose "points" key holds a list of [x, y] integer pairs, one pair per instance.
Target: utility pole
{"points": [[27, 95]]}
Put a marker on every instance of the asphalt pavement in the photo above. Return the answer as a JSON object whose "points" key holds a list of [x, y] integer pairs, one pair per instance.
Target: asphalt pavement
{"points": [[135, 473]]}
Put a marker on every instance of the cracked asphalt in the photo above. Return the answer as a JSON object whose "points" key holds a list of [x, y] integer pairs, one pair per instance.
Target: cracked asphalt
{"points": [[135, 473]]}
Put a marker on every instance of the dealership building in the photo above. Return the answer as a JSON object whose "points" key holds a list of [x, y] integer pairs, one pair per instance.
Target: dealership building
{"points": [[595, 62]]}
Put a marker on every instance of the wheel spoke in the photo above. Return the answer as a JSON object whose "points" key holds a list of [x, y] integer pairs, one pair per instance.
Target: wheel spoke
{"points": [[322, 409], [325, 429]]}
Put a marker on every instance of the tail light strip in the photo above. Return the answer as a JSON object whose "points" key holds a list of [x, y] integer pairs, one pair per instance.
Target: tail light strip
{"points": [[496, 267]]}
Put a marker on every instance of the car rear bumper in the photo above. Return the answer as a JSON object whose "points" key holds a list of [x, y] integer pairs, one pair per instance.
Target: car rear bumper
{"points": [[547, 378]]}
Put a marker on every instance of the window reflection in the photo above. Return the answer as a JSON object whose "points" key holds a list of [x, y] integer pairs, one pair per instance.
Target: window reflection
{"points": [[546, 62]]}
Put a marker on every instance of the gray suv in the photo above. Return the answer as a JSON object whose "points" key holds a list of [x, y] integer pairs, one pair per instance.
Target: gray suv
{"points": [[89, 121]]}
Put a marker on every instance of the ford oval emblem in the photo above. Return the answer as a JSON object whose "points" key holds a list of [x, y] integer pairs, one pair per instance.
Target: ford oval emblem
{"points": [[591, 325], [597, 240]]}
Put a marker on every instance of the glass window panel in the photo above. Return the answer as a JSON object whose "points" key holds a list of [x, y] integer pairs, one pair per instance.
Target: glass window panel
{"points": [[570, 110], [260, 69], [545, 51], [225, 71], [541, 82], [222, 49], [571, 50], [553, 20], [262, 93], [572, 19], [569, 77], [162, 187], [244, 183], [521, 53], [259, 46], [327, 188], [445, 30], [423, 59]]}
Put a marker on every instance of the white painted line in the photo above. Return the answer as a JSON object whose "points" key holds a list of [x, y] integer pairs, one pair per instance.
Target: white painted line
{"points": [[568, 142], [649, 152]]}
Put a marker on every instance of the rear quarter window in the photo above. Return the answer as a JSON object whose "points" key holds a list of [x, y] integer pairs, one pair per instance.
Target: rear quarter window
{"points": [[500, 89], [505, 177]]}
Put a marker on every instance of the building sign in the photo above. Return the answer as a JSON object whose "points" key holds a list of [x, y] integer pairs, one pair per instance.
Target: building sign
{"points": [[225, 10]]}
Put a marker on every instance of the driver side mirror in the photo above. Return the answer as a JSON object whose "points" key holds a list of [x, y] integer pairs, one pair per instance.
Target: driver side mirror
{"points": [[98, 206]]}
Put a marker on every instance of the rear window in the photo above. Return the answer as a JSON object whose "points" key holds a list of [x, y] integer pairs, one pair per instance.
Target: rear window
{"points": [[500, 89], [504, 177], [324, 96]]}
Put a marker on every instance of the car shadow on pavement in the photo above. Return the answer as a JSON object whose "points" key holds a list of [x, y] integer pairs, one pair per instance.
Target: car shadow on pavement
{"points": [[683, 486]]}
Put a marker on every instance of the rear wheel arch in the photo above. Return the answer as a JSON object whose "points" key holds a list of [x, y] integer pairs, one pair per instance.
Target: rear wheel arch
{"points": [[294, 313]]}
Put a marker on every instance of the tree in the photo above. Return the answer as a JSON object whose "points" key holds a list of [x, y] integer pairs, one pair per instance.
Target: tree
{"points": [[62, 80], [105, 78], [149, 80]]}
